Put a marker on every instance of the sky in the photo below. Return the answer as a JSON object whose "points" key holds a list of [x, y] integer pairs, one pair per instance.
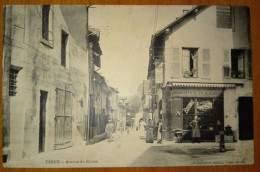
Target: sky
{"points": [[125, 37]]}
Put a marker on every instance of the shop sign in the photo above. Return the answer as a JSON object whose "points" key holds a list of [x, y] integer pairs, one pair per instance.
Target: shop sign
{"points": [[196, 93]]}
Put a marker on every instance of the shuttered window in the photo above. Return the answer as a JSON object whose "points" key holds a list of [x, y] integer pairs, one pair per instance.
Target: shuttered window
{"points": [[224, 17], [175, 64], [206, 63], [226, 63]]}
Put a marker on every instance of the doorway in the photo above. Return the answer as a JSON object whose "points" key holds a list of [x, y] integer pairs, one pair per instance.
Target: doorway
{"points": [[43, 100], [245, 109]]}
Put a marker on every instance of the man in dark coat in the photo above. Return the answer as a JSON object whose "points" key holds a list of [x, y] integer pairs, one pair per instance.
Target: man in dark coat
{"points": [[195, 125]]}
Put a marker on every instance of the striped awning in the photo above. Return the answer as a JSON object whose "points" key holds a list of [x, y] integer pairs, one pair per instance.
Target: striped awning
{"points": [[212, 85]]}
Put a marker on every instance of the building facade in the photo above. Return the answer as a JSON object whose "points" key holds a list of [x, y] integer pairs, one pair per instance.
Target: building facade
{"points": [[114, 108], [201, 65], [45, 82]]}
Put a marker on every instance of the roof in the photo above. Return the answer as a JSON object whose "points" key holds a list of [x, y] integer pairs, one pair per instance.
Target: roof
{"points": [[113, 89], [180, 19]]}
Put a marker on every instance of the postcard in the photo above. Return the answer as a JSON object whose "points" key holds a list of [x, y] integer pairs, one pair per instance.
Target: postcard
{"points": [[126, 86]]}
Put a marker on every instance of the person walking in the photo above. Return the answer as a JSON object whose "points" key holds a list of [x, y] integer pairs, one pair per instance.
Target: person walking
{"points": [[195, 125], [109, 130]]}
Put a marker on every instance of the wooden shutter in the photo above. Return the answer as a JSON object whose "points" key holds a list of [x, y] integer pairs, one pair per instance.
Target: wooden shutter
{"points": [[60, 102], [206, 63], [185, 60], [68, 103], [226, 63], [175, 64], [63, 119], [159, 74], [224, 17]]}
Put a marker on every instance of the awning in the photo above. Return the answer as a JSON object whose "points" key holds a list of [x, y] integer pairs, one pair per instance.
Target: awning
{"points": [[212, 85]]}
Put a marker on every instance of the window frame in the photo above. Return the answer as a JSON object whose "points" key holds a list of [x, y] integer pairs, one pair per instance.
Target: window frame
{"points": [[50, 36], [195, 51], [64, 48], [237, 72]]}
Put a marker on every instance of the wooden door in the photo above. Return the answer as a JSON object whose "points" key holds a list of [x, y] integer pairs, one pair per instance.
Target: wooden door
{"points": [[63, 119], [177, 116], [245, 108]]}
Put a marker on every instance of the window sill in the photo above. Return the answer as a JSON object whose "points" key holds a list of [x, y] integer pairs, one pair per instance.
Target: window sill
{"points": [[47, 43]]}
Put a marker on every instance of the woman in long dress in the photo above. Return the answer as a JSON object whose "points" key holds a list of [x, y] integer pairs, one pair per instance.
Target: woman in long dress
{"points": [[142, 126]]}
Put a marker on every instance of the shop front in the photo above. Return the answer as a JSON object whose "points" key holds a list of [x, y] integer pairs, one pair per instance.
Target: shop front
{"points": [[181, 104]]}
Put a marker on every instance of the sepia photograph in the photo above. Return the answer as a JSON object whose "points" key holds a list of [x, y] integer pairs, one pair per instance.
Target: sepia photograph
{"points": [[126, 86]]}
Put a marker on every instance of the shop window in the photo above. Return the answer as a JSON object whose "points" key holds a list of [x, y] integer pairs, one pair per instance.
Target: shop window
{"points": [[14, 70], [64, 40], [198, 106], [224, 17], [189, 62], [238, 63]]}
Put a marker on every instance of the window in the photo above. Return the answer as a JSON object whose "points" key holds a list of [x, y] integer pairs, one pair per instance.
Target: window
{"points": [[189, 62], [14, 70], [224, 17], [45, 21], [47, 25], [64, 40], [203, 107], [238, 63]]}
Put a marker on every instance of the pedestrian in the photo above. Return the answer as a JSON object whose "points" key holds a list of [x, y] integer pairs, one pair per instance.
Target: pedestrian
{"points": [[159, 132], [142, 126], [109, 130], [149, 132], [121, 127], [195, 125]]}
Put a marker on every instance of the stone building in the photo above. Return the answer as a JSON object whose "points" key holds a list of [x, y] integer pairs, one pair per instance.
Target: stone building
{"points": [[200, 64], [45, 82], [114, 108]]}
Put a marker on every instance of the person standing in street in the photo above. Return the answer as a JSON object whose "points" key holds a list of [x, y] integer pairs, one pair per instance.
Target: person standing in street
{"points": [[142, 126], [109, 130], [195, 125], [159, 132], [149, 132]]}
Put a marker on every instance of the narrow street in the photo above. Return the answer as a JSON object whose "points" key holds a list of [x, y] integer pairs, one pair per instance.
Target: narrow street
{"points": [[130, 150]]}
